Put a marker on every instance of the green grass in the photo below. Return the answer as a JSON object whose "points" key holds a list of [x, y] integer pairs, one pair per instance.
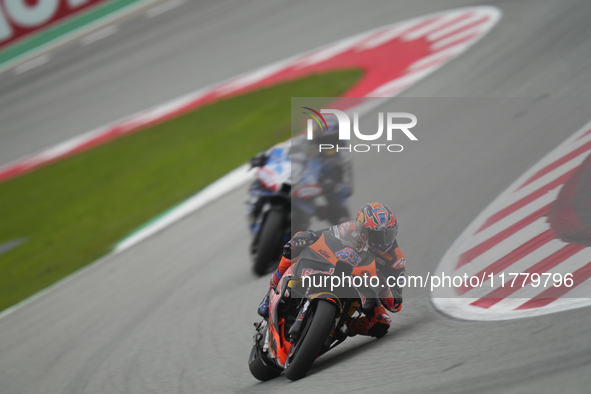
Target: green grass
{"points": [[74, 210]]}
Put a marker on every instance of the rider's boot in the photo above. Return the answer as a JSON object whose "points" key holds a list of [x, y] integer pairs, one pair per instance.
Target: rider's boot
{"points": [[263, 309], [376, 326]]}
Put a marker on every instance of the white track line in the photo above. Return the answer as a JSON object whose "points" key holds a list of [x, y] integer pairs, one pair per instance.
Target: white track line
{"points": [[76, 33], [458, 36], [518, 266], [541, 182], [60, 282], [484, 260], [455, 27], [31, 64], [510, 220], [436, 24], [444, 54], [227, 183], [162, 8], [9, 245], [99, 35]]}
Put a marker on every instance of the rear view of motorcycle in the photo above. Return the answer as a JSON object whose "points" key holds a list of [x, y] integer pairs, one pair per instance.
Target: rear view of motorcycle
{"points": [[269, 209], [286, 194]]}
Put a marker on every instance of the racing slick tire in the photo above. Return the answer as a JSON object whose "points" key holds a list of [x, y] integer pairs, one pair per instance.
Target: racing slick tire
{"points": [[312, 340], [258, 369]]}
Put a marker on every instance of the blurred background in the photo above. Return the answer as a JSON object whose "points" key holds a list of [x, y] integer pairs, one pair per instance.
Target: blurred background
{"points": [[125, 248]]}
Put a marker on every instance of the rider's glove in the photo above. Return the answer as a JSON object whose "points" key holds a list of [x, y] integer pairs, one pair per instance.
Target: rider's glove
{"points": [[299, 242], [391, 300], [259, 160], [393, 304], [396, 305], [287, 251]]}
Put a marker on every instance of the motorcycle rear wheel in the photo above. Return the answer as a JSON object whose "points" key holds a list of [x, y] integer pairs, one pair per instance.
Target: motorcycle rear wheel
{"points": [[312, 341]]}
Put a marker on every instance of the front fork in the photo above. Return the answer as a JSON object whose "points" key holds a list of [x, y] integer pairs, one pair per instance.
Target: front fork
{"points": [[304, 310], [296, 327]]}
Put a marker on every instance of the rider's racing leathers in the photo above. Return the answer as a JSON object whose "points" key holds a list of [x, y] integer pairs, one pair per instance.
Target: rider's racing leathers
{"points": [[390, 264]]}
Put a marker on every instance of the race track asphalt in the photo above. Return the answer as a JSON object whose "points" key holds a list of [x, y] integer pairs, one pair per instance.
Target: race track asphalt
{"points": [[174, 314]]}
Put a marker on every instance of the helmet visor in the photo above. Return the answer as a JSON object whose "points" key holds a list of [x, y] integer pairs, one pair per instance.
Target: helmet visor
{"points": [[381, 240]]}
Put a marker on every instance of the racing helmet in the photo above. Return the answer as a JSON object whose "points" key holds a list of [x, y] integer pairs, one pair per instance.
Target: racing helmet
{"points": [[377, 226], [326, 133]]}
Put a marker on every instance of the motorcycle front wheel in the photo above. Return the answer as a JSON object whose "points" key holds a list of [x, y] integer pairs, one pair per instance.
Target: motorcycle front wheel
{"points": [[312, 341], [258, 369]]}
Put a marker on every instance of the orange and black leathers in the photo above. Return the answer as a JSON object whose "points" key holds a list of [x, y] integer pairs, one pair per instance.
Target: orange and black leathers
{"points": [[390, 264], [323, 246]]}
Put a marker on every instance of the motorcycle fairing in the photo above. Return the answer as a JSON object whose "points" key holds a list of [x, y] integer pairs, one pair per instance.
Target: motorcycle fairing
{"points": [[278, 345]]}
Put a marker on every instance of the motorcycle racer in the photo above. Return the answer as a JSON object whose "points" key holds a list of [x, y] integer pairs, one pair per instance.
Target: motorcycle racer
{"points": [[374, 231], [335, 173]]}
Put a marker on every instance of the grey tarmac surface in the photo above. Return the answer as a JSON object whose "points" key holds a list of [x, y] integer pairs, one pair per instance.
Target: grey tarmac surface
{"points": [[174, 314]]}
